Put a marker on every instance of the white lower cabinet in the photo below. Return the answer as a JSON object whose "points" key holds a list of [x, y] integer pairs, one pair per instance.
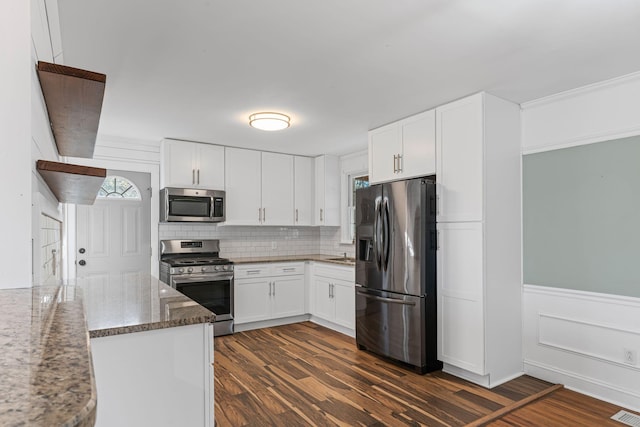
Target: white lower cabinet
{"points": [[460, 296], [333, 290], [268, 291], [161, 377]]}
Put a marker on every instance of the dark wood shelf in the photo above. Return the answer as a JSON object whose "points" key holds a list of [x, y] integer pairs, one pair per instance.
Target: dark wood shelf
{"points": [[74, 102], [72, 183]]}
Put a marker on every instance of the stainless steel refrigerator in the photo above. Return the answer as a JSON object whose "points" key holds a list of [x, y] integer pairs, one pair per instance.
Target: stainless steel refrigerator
{"points": [[396, 272]]}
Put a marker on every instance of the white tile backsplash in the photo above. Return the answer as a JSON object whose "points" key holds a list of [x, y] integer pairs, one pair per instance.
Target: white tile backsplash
{"points": [[50, 249], [259, 241]]}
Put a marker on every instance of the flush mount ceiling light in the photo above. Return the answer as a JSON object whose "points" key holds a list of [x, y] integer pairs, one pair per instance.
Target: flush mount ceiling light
{"points": [[269, 121]]}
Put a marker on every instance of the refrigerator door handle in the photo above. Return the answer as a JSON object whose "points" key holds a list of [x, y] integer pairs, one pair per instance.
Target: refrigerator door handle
{"points": [[385, 233], [376, 236], [384, 299]]}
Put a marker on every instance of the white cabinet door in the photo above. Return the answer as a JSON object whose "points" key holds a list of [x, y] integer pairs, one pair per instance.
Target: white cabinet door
{"points": [[384, 147], [210, 168], [287, 296], [344, 298], [242, 185], [178, 164], [418, 156], [459, 150], [460, 295], [323, 305], [277, 189], [327, 186], [252, 300], [303, 190]]}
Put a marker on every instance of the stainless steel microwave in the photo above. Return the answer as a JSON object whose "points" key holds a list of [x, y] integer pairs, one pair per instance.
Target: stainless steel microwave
{"points": [[191, 205]]}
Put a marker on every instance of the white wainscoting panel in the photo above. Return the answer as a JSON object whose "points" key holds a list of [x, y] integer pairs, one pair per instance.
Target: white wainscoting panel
{"points": [[579, 339], [594, 113]]}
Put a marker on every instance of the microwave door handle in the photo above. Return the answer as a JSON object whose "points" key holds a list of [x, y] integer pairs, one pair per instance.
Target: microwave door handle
{"points": [[166, 206], [212, 210]]}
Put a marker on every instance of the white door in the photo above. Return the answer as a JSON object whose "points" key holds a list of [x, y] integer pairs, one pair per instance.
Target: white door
{"points": [[113, 236], [288, 296], [384, 147], [242, 184], [303, 189], [460, 295], [277, 189], [252, 300], [459, 136], [179, 169], [419, 145], [210, 171]]}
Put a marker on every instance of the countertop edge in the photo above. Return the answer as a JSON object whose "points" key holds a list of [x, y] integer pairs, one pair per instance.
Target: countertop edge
{"points": [[120, 330], [293, 258]]}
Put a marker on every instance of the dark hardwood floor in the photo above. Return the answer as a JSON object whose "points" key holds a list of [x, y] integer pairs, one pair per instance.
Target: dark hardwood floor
{"points": [[304, 374]]}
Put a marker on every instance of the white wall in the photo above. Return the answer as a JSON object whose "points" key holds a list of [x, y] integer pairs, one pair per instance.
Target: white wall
{"points": [[573, 337], [15, 171]]}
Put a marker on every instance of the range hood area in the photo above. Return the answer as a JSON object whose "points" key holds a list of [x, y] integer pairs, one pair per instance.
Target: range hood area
{"points": [[73, 98]]}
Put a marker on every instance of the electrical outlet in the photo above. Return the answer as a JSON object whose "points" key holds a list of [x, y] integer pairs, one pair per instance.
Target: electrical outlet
{"points": [[274, 245], [629, 356]]}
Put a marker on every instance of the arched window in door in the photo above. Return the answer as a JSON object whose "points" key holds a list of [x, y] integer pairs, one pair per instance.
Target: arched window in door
{"points": [[118, 187]]}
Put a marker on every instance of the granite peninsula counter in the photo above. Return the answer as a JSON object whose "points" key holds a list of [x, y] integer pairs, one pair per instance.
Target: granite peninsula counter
{"points": [[49, 349]]}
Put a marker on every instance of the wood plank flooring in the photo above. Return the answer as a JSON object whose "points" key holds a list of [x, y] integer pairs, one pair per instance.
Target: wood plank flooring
{"points": [[304, 374]]}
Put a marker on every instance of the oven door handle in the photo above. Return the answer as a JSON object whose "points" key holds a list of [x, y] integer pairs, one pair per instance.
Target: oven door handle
{"points": [[191, 278]]}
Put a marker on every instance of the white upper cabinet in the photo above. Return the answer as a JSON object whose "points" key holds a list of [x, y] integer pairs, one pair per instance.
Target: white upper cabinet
{"points": [[277, 189], [192, 165], [303, 190], [243, 188], [403, 149], [259, 188], [327, 191], [459, 151]]}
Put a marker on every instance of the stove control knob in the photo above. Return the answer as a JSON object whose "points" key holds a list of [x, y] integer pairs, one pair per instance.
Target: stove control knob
{"points": [[181, 270], [190, 270], [223, 268], [216, 268], [204, 269]]}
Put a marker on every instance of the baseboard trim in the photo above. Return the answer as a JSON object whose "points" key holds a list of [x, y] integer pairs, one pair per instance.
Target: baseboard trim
{"points": [[334, 326], [585, 385], [482, 380], [270, 323]]}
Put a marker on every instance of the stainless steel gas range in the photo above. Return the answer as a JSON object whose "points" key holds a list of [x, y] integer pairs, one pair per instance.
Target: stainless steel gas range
{"points": [[195, 268]]}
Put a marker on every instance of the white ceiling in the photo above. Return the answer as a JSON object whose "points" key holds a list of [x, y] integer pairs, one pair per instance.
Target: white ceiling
{"points": [[196, 69]]}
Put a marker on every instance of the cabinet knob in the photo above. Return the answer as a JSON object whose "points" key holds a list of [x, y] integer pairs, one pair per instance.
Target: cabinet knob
{"points": [[82, 262]]}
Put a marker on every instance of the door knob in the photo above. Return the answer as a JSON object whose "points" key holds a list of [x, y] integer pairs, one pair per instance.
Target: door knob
{"points": [[81, 250], [82, 262]]}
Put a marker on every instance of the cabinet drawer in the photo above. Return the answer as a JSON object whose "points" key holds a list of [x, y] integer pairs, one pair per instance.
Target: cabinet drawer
{"points": [[251, 270], [339, 273], [268, 269], [287, 269]]}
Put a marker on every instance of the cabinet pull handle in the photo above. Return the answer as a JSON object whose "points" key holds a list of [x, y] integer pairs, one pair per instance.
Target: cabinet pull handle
{"points": [[198, 175], [399, 164], [253, 271], [394, 164], [264, 214], [438, 240], [193, 176], [321, 211], [296, 215], [274, 289], [437, 205], [259, 215], [289, 269]]}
